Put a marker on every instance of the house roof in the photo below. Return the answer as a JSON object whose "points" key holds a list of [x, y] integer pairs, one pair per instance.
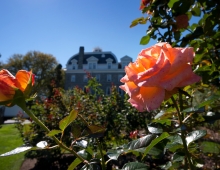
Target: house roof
{"points": [[101, 56]]}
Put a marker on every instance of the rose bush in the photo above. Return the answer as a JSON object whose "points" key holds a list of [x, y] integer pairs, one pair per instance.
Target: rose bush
{"points": [[156, 75], [12, 87]]}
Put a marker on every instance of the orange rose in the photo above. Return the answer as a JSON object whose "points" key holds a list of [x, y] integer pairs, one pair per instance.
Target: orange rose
{"points": [[158, 70], [10, 85]]}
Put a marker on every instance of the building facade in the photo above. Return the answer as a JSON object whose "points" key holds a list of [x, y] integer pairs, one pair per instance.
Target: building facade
{"points": [[104, 66]]}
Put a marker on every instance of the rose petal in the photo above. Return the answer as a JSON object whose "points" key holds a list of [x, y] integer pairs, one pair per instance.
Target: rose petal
{"points": [[172, 80], [23, 78], [130, 88], [190, 80], [155, 79], [149, 98]]}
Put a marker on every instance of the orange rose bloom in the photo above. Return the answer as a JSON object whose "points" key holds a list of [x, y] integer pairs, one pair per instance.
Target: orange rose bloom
{"points": [[158, 70], [10, 84]]}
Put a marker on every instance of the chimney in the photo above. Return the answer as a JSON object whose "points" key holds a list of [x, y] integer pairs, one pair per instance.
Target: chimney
{"points": [[81, 55]]}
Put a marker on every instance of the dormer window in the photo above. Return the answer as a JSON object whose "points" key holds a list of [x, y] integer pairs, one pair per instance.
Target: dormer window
{"points": [[92, 62], [109, 65], [74, 64], [74, 67], [92, 65]]}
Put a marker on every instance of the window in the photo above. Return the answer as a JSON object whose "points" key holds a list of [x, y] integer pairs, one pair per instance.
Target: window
{"points": [[92, 65], [119, 77], [108, 90], [97, 76], [109, 65], [120, 91], [85, 78], [73, 78], [123, 64], [109, 77], [74, 66]]}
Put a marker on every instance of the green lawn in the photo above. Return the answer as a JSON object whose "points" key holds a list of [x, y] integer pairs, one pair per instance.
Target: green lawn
{"points": [[9, 140]]}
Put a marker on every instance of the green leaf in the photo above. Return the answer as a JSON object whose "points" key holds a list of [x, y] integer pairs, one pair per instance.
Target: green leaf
{"points": [[164, 135], [196, 11], [171, 2], [96, 131], [74, 164], [76, 131], [210, 147], [54, 132], [135, 145], [175, 139], [155, 128], [84, 154], [145, 40], [139, 143], [68, 119], [208, 101], [194, 135], [178, 156], [135, 165], [17, 150]]}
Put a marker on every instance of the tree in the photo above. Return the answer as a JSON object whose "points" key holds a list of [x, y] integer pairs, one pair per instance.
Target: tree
{"points": [[41, 64]]}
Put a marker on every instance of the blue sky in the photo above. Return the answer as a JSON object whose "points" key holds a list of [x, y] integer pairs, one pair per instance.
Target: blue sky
{"points": [[60, 27]]}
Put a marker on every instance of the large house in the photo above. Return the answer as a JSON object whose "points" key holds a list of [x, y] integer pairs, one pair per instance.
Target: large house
{"points": [[103, 65]]}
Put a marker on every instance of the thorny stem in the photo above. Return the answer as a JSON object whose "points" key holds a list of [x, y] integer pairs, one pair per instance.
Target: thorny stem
{"points": [[183, 134], [36, 120]]}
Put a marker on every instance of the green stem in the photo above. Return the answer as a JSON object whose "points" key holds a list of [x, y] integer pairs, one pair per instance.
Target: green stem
{"points": [[183, 134], [103, 160], [36, 120]]}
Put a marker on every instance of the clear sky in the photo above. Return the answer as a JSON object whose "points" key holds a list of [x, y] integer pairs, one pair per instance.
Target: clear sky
{"points": [[60, 27]]}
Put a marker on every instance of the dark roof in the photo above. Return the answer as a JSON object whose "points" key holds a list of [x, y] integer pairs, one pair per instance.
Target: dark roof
{"points": [[98, 55]]}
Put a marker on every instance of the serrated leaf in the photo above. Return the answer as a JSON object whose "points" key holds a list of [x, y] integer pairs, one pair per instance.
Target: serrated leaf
{"points": [[135, 165], [145, 40], [68, 119], [164, 135], [195, 135], [54, 132], [74, 164], [17, 150]]}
